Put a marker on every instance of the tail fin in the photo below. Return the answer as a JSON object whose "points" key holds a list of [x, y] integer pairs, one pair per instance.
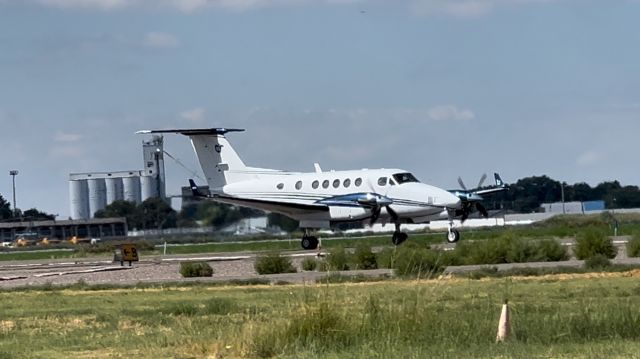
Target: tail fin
{"points": [[219, 161], [499, 181]]}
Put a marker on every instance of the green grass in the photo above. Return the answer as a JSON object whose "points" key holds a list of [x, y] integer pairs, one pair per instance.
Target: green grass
{"points": [[551, 317], [20, 256]]}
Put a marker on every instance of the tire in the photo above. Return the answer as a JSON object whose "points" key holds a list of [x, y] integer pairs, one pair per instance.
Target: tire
{"points": [[453, 236], [398, 238], [309, 242]]}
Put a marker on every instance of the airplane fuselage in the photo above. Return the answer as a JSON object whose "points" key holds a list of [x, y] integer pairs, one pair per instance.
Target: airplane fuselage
{"points": [[349, 196]]}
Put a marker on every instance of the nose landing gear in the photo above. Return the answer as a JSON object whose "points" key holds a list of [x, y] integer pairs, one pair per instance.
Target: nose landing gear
{"points": [[452, 234]]}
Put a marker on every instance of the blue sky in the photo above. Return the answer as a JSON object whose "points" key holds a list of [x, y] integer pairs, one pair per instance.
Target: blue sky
{"points": [[439, 87]]}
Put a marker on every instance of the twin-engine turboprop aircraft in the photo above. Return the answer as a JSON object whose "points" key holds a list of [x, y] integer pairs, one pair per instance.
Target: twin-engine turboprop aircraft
{"points": [[319, 199]]}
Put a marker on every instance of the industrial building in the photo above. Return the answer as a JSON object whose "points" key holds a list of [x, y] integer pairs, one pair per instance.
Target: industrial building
{"points": [[91, 192], [64, 230]]}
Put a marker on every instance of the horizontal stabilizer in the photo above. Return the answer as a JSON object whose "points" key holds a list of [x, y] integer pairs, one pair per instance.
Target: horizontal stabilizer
{"points": [[195, 131]]}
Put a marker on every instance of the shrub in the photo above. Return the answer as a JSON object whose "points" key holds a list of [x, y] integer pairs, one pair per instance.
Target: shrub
{"points": [[273, 263], [337, 260], [492, 251], [633, 246], [420, 262], [552, 251], [365, 258], [598, 261], [386, 257], [309, 264], [592, 242], [195, 269]]}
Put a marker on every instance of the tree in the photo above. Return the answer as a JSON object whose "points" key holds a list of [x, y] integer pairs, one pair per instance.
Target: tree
{"points": [[156, 213], [5, 209], [285, 223], [36, 215], [126, 209]]}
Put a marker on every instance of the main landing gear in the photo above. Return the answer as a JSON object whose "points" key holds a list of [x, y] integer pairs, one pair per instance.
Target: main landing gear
{"points": [[398, 237], [309, 242]]}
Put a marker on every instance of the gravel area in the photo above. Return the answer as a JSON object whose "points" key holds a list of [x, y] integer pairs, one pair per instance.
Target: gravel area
{"points": [[139, 272]]}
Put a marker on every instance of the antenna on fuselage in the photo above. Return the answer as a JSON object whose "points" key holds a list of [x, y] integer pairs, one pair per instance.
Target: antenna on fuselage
{"points": [[317, 167]]}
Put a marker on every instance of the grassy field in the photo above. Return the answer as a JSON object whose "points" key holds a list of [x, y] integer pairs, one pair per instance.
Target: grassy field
{"points": [[585, 316]]}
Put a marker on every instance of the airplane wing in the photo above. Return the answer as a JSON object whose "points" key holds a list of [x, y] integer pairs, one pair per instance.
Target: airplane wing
{"points": [[490, 191], [280, 207]]}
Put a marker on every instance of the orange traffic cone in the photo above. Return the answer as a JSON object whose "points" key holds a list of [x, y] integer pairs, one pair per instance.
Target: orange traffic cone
{"points": [[504, 326]]}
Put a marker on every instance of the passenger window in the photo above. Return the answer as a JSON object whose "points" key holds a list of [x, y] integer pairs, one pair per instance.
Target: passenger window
{"points": [[325, 184], [382, 181], [358, 182], [280, 185], [336, 183], [315, 184], [299, 185], [346, 183]]}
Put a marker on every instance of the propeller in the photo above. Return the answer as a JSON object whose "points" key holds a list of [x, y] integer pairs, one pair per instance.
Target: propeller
{"points": [[377, 205], [468, 204]]}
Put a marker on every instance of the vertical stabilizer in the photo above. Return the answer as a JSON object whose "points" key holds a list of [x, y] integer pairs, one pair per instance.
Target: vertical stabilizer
{"points": [[219, 161]]}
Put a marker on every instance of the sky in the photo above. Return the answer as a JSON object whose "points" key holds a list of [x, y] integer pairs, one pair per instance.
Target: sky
{"points": [[442, 88]]}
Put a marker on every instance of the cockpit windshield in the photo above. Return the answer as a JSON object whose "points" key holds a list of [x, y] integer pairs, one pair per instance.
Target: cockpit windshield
{"points": [[404, 178]]}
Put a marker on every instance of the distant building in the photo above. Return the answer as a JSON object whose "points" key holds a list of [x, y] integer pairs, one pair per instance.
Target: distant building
{"points": [[65, 230], [91, 192], [572, 207]]}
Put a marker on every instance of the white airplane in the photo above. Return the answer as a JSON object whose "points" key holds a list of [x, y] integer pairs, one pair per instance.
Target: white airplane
{"points": [[318, 199]]}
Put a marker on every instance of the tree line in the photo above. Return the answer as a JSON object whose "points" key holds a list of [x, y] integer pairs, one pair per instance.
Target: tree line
{"points": [[527, 194]]}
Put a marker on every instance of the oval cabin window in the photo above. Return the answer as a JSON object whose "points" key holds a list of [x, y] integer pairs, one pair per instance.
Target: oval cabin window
{"points": [[336, 183], [315, 184], [280, 185], [299, 185], [325, 184], [346, 183]]}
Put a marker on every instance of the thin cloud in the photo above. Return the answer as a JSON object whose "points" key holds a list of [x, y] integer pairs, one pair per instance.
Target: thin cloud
{"points": [[456, 8], [589, 158], [66, 137], [161, 40], [465, 8], [450, 113], [88, 4], [195, 115]]}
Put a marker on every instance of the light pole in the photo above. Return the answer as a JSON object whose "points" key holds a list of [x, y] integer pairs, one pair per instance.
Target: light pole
{"points": [[14, 173]]}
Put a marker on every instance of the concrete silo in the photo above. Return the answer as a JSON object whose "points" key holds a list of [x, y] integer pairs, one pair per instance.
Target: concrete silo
{"points": [[79, 199], [97, 195], [132, 189], [149, 185], [115, 189]]}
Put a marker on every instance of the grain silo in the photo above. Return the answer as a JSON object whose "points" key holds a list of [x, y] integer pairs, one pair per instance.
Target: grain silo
{"points": [[79, 199], [91, 192]]}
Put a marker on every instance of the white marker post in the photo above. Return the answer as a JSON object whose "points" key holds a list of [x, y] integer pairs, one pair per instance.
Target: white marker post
{"points": [[504, 326]]}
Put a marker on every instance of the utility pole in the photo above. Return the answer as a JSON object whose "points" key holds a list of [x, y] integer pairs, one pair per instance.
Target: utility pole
{"points": [[562, 192], [14, 173]]}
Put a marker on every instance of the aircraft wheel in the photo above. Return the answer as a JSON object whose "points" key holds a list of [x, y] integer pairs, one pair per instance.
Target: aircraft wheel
{"points": [[309, 242], [453, 236], [399, 237]]}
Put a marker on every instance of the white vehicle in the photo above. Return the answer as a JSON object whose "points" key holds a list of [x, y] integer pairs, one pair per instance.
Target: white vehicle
{"points": [[318, 199]]}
